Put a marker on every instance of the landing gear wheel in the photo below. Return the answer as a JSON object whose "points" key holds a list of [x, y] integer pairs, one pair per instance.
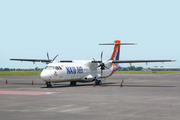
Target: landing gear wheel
{"points": [[49, 85], [73, 83], [98, 82]]}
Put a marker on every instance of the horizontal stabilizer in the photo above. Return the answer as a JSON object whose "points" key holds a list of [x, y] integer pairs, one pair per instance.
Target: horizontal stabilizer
{"points": [[118, 44]]}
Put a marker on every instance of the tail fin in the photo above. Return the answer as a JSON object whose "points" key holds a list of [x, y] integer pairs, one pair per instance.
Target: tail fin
{"points": [[116, 51]]}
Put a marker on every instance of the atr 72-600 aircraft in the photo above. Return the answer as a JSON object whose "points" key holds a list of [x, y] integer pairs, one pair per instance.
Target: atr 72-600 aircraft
{"points": [[84, 70]]}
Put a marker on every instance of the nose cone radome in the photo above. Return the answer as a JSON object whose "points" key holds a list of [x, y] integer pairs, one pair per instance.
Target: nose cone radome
{"points": [[45, 75]]}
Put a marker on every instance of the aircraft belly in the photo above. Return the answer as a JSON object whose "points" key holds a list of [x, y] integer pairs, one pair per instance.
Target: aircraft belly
{"points": [[75, 77]]}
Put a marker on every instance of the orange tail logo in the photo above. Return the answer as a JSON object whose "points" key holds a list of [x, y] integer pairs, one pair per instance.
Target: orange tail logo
{"points": [[115, 54]]}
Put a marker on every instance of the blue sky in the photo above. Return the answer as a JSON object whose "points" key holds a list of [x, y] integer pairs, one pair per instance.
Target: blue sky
{"points": [[74, 28]]}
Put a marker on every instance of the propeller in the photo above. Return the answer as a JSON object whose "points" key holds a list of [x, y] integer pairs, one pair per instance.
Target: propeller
{"points": [[101, 64], [48, 56], [54, 57]]}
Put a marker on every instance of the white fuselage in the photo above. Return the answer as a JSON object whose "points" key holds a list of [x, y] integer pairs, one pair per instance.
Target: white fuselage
{"points": [[76, 70]]}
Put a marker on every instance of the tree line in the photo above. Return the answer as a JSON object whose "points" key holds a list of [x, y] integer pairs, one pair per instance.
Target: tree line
{"points": [[130, 68], [21, 69]]}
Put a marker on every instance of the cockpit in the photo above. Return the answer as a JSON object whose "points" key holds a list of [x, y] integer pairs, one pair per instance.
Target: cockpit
{"points": [[53, 68]]}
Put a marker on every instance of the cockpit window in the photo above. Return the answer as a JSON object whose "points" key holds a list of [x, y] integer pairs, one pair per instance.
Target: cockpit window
{"points": [[58, 68], [53, 68]]}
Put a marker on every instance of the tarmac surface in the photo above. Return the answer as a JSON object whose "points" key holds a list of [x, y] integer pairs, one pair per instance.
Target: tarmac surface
{"points": [[142, 97]]}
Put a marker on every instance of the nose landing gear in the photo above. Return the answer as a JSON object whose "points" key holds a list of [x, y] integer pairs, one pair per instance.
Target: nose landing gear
{"points": [[49, 85]]}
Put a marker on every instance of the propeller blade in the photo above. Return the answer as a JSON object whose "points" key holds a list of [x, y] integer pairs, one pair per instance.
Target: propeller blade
{"points": [[48, 56], [97, 63], [94, 59], [101, 55], [101, 72], [106, 67], [101, 65], [55, 57], [96, 67]]}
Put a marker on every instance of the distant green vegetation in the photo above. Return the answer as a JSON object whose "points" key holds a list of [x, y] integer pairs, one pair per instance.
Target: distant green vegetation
{"points": [[19, 69], [146, 72], [20, 73]]}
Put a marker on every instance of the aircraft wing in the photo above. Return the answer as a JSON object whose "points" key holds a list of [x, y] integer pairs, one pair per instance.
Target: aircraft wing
{"points": [[33, 60], [140, 61], [135, 61]]}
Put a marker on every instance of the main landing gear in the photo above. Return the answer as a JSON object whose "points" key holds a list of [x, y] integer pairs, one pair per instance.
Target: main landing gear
{"points": [[49, 85], [72, 83], [98, 82]]}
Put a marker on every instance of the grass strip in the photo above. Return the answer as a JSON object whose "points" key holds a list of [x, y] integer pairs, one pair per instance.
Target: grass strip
{"points": [[20, 72]]}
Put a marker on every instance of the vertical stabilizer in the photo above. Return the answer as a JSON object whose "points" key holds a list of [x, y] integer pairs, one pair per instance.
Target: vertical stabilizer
{"points": [[116, 51]]}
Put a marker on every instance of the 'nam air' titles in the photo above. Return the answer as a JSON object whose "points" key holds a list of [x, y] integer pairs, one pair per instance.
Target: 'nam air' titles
{"points": [[74, 70]]}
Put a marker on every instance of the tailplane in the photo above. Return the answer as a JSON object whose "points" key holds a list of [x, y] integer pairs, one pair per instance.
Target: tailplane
{"points": [[116, 50]]}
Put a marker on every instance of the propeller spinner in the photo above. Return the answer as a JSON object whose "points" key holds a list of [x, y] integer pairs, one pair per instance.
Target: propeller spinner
{"points": [[101, 64]]}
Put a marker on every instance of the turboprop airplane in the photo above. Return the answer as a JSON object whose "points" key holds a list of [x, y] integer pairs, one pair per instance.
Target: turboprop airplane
{"points": [[74, 71]]}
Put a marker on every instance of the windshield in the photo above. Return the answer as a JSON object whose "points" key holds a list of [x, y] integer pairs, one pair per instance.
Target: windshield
{"points": [[53, 68]]}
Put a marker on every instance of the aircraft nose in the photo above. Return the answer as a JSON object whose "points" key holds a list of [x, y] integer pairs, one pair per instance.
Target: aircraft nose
{"points": [[45, 75]]}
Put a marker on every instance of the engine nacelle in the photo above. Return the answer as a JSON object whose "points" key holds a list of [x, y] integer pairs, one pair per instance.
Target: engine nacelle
{"points": [[108, 64], [88, 78]]}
